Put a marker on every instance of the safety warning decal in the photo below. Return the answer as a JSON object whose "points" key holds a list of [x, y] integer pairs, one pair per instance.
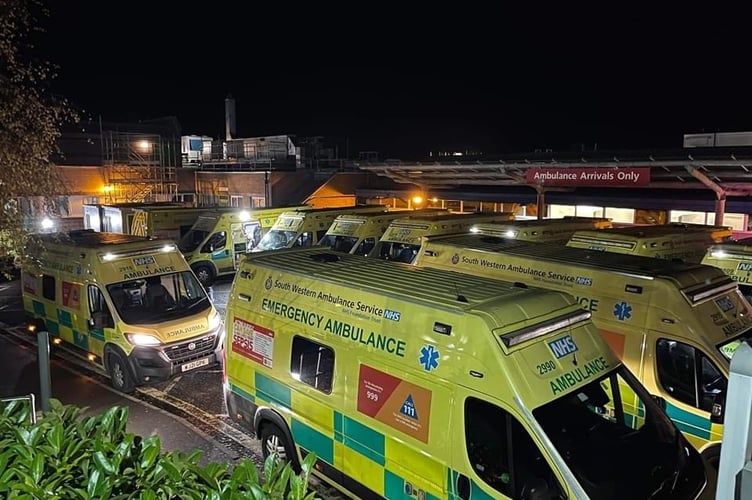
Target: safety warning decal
{"points": [[252, 341], [395, 402]]}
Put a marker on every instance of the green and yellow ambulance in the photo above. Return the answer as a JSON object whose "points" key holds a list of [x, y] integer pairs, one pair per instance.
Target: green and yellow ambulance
{"points": [[130, 305], [416, 383], [675, 325]]}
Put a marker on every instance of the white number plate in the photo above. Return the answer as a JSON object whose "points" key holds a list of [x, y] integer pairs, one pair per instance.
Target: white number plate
{"points": [[194, 364]]}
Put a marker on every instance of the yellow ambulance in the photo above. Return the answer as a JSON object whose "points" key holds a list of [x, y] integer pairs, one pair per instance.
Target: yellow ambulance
{"points": [[548, 230], [219, 237], [673, 324], [165, 222], [307, 228], [687, 242], [417, 383], [735, 259], [401, 240], [128, 304], [358, 233]]}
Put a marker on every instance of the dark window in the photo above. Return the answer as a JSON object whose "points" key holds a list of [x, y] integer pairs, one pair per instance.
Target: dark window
{"points": [[98, 309], [312, 364], [503, 454], [216, 242], [48, 287], [304, 240], [688, 375], [365, 246]]}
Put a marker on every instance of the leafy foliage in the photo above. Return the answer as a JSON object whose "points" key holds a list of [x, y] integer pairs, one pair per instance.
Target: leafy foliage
{"points": [[31, 122], [69, 456]]}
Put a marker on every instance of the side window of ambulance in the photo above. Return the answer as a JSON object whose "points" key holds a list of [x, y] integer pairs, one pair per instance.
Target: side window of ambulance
{"points": [[688, 375], [216, 242], [503, 454], [98, 309], [48, 287], [312, 364]]}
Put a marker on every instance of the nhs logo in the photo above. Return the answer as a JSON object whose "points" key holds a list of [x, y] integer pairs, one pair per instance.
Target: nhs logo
{"points": [[563, 346], [144, 261], [393, 315]]}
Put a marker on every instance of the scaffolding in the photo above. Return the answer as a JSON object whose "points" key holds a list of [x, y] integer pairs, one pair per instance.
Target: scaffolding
{"points": [[139, 167]]}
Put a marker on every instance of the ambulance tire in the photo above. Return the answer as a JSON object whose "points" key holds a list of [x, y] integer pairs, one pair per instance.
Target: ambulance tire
{"points": [[205, 274], [120, 373], [274, 439]]}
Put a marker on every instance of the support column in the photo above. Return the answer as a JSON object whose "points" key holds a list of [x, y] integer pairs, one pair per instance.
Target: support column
{"points": [[720, 194], [734, 471], [540, 201], [720, 209]]}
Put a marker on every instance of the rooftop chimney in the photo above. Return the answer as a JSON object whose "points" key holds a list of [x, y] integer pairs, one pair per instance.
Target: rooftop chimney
{"points": [[229, 117]]}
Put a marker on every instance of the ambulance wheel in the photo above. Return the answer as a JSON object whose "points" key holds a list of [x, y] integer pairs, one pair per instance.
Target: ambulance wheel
{"points": [[274, 440], [204, 274], [120, 374]]}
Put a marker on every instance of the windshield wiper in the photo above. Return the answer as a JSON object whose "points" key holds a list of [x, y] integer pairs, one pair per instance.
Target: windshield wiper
{"points": [[190, 306]]}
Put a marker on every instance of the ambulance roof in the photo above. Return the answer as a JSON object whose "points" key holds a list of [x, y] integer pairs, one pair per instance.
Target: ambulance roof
{"points": [[451, 217], [535, 223], [743, 247], [633, 265], [652, 231], [436, 288], [104, 241], [334, 210]]}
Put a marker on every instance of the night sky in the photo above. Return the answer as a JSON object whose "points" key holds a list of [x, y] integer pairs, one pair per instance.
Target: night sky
{"points": [[407, 81]]}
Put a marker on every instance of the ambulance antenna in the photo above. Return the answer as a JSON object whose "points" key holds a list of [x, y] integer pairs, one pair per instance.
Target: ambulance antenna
{"points": [[460, 297]]}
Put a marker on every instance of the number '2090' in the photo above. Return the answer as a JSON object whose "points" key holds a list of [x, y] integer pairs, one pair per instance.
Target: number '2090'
{"points": [[546, 367]]}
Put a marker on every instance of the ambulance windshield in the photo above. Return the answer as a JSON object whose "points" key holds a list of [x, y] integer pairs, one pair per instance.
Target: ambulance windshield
{"points": [[276, 239], [398, 251], [158, 298], [619, 443], [191, 240], [729, 347], [338, 243]]}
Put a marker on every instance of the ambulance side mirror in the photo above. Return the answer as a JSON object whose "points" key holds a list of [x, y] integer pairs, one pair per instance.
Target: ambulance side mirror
{"points": [[660, 401], [537, 489], [716, 411]]}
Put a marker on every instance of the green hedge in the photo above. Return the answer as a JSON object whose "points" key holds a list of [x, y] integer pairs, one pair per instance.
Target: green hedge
{"points": [[66, 455]]}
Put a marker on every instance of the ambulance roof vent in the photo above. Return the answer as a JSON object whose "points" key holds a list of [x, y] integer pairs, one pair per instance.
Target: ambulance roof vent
{"points": [[325, 257], [460, 297]]}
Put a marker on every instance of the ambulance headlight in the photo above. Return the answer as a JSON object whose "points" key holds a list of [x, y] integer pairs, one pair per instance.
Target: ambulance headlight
{"points": [[215, 322], [141, 339]]}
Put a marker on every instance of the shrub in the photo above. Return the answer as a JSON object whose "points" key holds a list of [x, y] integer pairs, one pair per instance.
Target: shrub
{"points": [[66, 455]]}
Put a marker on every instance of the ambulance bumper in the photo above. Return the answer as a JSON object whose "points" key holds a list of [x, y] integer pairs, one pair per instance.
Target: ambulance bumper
{"points": [[157, 365]]}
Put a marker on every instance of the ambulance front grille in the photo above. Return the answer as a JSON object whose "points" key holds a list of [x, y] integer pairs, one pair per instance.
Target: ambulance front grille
{"points": [[191, 349]]}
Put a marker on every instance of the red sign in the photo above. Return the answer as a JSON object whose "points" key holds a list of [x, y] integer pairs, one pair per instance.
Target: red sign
{"points": [[395, 402], [71, 295], [253, 341], [593, 176]]}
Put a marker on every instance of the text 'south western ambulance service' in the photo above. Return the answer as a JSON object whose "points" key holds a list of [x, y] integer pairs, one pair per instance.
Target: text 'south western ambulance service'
{"points": [[674, 324], [129, 304], [419, 383]]}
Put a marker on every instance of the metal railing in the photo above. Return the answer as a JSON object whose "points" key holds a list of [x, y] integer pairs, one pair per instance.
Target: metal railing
{"points": [[32, 403]]}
